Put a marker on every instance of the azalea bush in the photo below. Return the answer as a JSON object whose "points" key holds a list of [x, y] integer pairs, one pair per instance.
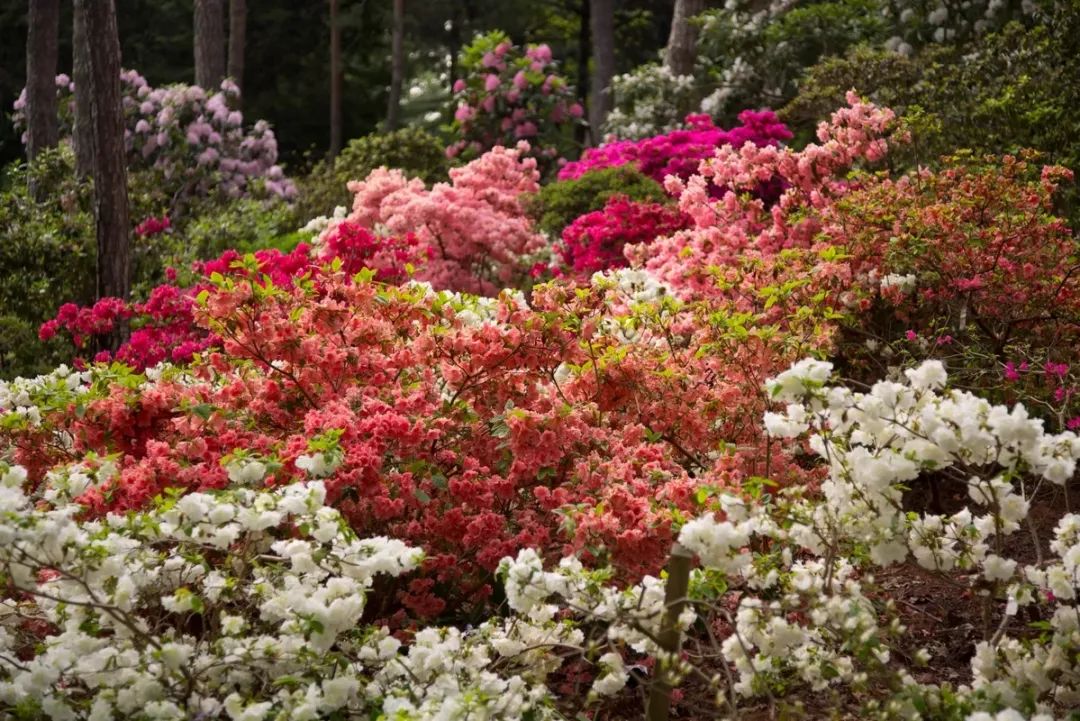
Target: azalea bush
{"points": [[475, 227], [973, 267], [507, 94], [409, 499], [595, 241], [163, 327]]}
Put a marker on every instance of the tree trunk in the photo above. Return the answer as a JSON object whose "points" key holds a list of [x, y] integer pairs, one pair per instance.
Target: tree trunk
{"points": [[110, 170], [397, 66], [84, 122], [209, 43], [602, 21], [336, 80], [41, 52], [581, 132], [682, 42], [237, 41]]}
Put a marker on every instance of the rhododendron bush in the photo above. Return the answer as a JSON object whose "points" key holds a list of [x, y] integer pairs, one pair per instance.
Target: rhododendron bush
{"points": [[509, 94], [383, 483], [193, 141]]}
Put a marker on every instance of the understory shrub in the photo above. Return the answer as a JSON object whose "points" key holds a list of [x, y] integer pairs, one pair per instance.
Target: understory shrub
{"points": [[559, 203], [412, 150]]}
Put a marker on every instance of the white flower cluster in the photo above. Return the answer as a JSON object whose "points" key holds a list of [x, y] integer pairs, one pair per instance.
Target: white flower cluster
{"points": [[895, 280], [194, 608], [635, 300], [651, 100], [876, 443], [246, 605], [17, 405], [766, 643], [318, 225]]}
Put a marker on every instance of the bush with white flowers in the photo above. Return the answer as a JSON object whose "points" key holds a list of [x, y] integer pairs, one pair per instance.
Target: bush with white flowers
{"points": [[248, 603]]}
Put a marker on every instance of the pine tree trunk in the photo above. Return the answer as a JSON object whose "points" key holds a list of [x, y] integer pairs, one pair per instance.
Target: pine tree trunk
{"points": [[209, 43], [237, 41], [602, 21], [336, 80], [581, 133], [682, 42], [41, 52], [397, 66], [84, 122], [110, 170]]}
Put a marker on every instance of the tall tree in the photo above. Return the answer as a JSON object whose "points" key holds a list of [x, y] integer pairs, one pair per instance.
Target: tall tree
{"points": [[580, 131], [237, 41], [336, 79], [209, 43], [682, 42], [84, 121], [110, 170], [41, 51], [602, 24], [397, 66]]}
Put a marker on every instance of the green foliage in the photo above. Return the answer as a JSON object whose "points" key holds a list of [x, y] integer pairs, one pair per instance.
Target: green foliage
{"points": [[883, 77], [1015, 90], [245, 226], [48, 250], [416, 152], [47, 254], [558, 204], [757, 62]]}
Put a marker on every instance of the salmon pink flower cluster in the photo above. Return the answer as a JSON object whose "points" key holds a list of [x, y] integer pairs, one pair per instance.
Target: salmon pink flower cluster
{"points": [[474, 229]]}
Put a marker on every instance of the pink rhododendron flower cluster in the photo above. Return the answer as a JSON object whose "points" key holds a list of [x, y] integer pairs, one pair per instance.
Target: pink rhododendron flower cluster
{"points": [[193, 140], [508, 94], [474, 228], [595, 241], [153, 226], [681, 151]]}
